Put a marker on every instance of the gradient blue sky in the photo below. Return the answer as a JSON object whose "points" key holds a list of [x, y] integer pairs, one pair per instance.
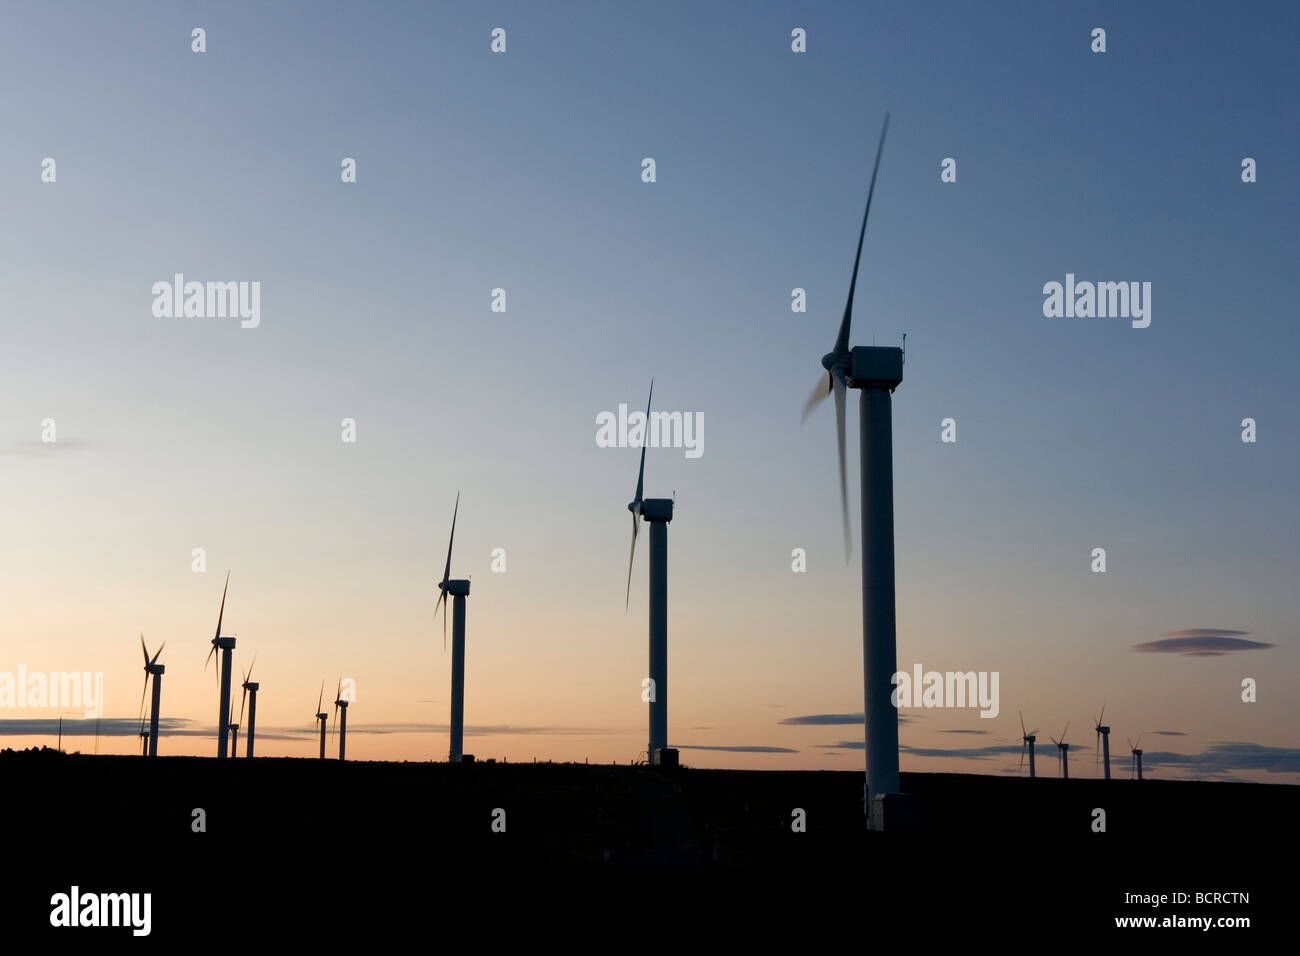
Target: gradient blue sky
{"points": [[523, 171]]}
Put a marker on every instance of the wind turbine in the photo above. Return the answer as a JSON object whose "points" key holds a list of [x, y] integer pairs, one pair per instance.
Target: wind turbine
{"points": [[877, 372], [1064, 748], [459, 590], [323, 718], [1103, 738], [155, 670], [343, 726], [658, 512], [227, 646], [1137, 756], [250, 688], [1028, 738]]}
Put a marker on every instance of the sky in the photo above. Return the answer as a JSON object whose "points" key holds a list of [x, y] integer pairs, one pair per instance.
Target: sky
{"points": [[522, 171]]}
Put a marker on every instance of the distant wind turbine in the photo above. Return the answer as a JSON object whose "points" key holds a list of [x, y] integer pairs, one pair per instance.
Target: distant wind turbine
{"points": [[1028, 738], [1137, 757], [658, 512], [226, 645], [877, 372], [234, 730], [459, 590], [1103, 738], [322, 718], [343, 724], [1064, 748], [155, 670], [250, 688]]}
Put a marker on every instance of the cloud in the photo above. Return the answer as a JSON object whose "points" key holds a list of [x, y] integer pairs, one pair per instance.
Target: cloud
{"points": [[89, 727], [832, 720], [742, 749], [1224, 757], [1167, 733], [982, 732], [1201, 642]]}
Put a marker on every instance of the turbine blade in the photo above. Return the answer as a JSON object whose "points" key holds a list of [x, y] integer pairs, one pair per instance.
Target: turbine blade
{"points": [[320, 700], [645, 440], [159, 654], [446, 574], [1103, 713], [1023, 732], [142, 696], [243, 700], [143, 651], [819, 393], [1139, 743], [1023, 747], [837, 378], [222, 612], [209, 657], [627, 601], [1064, 732], [249, 675], [842, 340]]}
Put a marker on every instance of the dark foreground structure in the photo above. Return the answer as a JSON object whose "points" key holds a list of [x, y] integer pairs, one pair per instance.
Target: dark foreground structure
{"points": [[318, 846]]}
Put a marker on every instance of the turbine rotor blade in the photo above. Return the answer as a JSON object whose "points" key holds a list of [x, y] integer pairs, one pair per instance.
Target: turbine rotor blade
{"points": [[819, 393], [842, 340], [446, 574], [320, 700], [640, 475], [158, 655], [143, 650], [627, 601], [222, 612], [1023, 732]]}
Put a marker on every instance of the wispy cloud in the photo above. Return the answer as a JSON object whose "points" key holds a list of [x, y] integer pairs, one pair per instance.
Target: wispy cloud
{"points": [[739, 749], [1201, 642], [980, 732], [833, 720]]}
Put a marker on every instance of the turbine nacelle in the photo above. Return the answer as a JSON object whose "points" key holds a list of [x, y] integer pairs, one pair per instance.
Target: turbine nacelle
{"points": [[657, 509], [224, 643], [456, 588], [252, 686], [873, 366]]}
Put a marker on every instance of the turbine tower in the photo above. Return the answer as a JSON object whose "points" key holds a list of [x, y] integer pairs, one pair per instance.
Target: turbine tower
{"points": [[1103, 739], [155, 670], [877, 372], [322, 718], [227, 646], [1137, 757], [1028, 738], [1064, 748], [250, 688], [343, 726], [459, 590], [658, 512]]}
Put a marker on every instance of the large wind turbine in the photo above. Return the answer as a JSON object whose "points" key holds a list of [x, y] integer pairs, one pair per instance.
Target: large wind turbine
{"points": [[322, 718], [155, 670], [343, 725], [250, 688], [1137, 756], [1028, 737], [1103, 738], [1064, 748], [459, 590], [658, 512], [877, 372], [226, 645]]}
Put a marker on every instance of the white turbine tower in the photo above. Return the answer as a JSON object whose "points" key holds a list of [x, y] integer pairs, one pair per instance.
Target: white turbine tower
{"points": [[459, 590], [877, 372], [1027, 737], [227, 646], [658, 512], [250, 688], [1064, 748], [1103, 739], [155, 670], [1137, 757]]}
